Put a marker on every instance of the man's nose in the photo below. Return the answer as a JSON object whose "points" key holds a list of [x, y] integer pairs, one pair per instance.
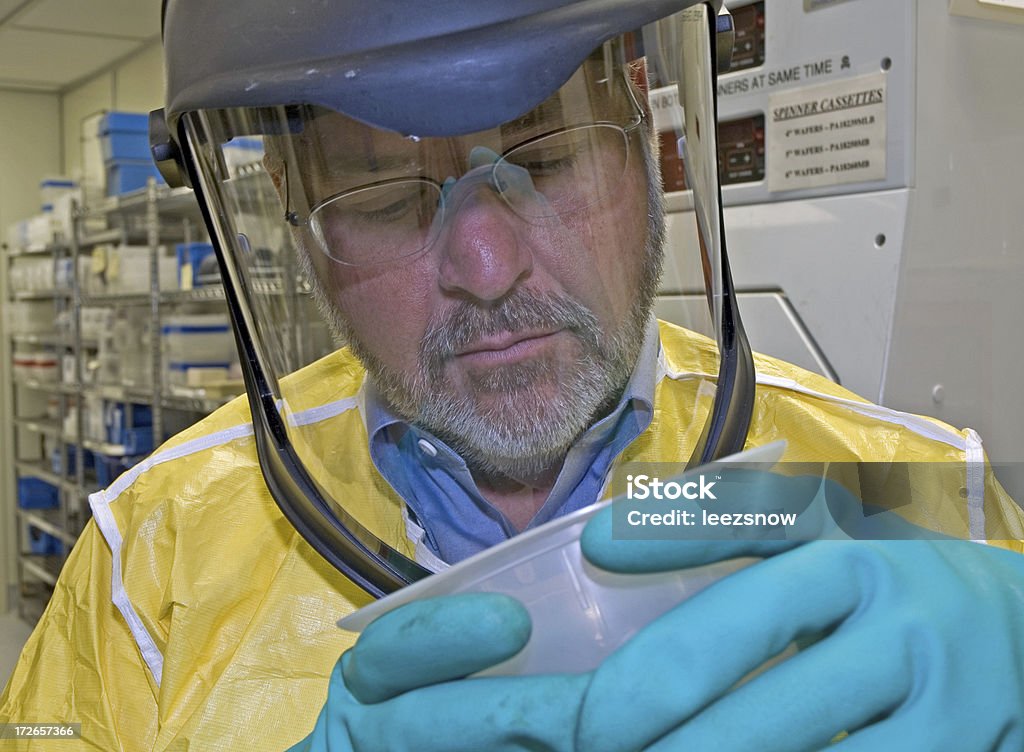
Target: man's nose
{"points": [[484, 253]]}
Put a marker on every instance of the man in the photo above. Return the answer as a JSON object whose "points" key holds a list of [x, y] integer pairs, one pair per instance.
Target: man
{"points": [[491, 261]]}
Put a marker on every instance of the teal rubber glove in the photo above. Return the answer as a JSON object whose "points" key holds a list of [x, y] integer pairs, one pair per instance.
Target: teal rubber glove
{"points": [[400, 686], [923, 645], [923, 649]]}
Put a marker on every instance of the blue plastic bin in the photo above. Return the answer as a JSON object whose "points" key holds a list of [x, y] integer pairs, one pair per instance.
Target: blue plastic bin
{"points": [[190, 258], [137, 440], [130, 414], [118, 416], [57, 460], [125, 135], [34, 493], [44, 544], [130, 425], [126, 175]]}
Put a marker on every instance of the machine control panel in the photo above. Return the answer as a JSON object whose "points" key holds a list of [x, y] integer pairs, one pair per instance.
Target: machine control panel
{"points": [[818, 102], [748, 51], [741, 153]]}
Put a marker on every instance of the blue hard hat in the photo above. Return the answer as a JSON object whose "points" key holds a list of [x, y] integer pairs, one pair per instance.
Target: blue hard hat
{"points": [[409, 67]]}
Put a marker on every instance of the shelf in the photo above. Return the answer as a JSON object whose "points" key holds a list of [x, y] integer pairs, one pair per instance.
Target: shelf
{"points": [[115, 235], [197, 399], [117, 298], [43, 568], [120, 392], [155, 217], [49, 521], [38, 250], [44, 426], [39, 294], [269, 286], [56, 387], [213, 293], [53, 428], [176, 202], [50, 339], [104, 447], [196, 295], [43, 472]]}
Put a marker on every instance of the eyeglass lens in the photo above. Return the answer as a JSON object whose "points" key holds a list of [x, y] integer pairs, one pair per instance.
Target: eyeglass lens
{"points": [[549, 176]]}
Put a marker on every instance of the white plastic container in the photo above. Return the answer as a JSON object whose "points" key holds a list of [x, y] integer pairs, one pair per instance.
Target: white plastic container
{"points": [[23, 363], [37, 364], [30, 317], [53, 188], [128, 270], [201, 338], [35, 274], [95, 320], [68, 365], [17, 235], [196, 342], [41, 229], [580, 614]]}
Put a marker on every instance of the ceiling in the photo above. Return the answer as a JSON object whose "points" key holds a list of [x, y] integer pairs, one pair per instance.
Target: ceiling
{"points": [[53, 45]]}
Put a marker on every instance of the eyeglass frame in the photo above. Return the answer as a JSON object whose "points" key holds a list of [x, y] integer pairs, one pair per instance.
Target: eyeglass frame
{"points": [[639, 118]]}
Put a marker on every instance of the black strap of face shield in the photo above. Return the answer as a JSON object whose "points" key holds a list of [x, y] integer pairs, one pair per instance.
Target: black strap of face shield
{"points": [[337, 536], [725, 431]]}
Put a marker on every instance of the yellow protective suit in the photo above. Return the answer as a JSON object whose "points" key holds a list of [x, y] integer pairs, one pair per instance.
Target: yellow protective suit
{"points": [[191, 616]]}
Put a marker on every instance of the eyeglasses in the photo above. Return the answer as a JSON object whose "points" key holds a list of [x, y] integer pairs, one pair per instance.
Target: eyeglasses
{"points": [[552, 175]]}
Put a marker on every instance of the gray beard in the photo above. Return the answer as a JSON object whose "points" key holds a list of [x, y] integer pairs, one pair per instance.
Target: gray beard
{"points": [[519, 421]]}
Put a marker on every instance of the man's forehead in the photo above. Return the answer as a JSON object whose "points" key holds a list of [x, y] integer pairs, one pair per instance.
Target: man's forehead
{"points": [[343, 142], [337, 138]]}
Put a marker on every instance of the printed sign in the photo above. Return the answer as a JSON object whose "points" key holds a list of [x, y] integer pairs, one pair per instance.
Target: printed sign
{"points": [[827, 134]]}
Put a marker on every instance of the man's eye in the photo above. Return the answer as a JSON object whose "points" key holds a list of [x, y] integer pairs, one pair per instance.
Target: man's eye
{"points": [[388, 213], [546, 163], [380, 204]]}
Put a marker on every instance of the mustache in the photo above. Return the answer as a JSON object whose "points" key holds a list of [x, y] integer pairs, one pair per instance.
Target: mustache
{"points": [[524, 310]]}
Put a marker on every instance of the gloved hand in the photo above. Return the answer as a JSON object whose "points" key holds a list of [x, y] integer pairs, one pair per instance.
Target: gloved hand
{"points": [[923, 645], [392, 692], [923, 649]]}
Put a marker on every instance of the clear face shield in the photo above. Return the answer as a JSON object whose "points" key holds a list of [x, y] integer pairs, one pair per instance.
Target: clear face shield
{"points": [[495, 286]]}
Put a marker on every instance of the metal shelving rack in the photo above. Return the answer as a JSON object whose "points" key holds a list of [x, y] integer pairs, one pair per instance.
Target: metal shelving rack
{"points": [[37, 570], [152, 217]]}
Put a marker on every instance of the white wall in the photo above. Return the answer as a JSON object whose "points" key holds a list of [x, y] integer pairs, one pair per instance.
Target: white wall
{"points": [[40, 134], [137, 85], [29, 150]]}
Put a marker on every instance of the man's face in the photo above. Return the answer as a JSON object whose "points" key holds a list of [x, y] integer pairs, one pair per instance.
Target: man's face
{"points": [[520, 321]]}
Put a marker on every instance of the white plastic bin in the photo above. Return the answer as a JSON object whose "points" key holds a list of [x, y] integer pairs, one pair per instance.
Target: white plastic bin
{"points": [[128, 270], [52, 189], [30, 317], [196, 341]]}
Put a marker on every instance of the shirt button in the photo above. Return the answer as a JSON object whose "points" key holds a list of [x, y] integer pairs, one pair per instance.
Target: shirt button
{"points": [[427, 448]]}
